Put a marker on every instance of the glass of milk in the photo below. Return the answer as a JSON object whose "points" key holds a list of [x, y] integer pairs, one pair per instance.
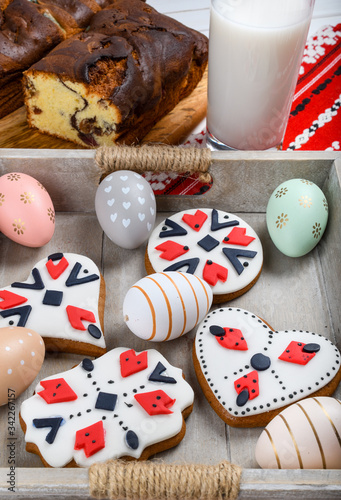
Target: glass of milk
{"points": [[255, 52]]}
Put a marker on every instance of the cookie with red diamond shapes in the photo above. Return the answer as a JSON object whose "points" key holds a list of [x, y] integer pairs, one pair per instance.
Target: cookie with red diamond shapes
{"points": [[123, 404], [249, 372], [62, 300], [216, 246]]}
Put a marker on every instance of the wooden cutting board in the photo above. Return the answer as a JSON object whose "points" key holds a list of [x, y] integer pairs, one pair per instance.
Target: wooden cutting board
{"points": [[171, 129]]}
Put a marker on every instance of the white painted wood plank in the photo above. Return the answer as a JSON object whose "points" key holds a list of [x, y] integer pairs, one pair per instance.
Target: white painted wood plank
{"points": [[170, 6], [326, 8], [195, 14], [195, 19]]}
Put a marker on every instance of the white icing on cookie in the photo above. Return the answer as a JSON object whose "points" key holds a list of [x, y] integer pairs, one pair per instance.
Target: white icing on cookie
{"points": [[280, 384], [49, 302], [124, 417], [248, 267]]}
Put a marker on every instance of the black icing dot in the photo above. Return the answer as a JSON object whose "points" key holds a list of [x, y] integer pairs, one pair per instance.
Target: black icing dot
{"points": [[311, 348], [103, 418], [217, 331], [94, 331], [111, 382], [79, 414], [94, 383], [260, 362], [71, 416], [85, 395], [243, 398], [87, 365], [89, 375], [209, 262], [88, 410]]}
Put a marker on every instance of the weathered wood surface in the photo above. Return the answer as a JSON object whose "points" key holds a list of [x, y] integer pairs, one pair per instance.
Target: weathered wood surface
{"points": [[299, 293], [171, 129]]}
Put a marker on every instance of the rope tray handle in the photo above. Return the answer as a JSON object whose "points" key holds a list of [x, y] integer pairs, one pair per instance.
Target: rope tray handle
{"points": [[154, 159], [139, 480]]}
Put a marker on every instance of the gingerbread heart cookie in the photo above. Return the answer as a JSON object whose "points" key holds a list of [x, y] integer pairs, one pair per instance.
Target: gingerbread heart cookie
{"points": [[249, 372], [121, 404], [216, 246], [62, 300]]}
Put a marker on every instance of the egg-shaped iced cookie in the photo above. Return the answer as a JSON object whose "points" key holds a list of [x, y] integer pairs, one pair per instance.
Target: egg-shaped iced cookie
{"points": [[218, 247]]}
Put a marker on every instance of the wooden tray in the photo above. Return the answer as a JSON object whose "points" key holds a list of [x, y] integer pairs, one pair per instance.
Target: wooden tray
{"points": [[301, 293], [171, 129]]}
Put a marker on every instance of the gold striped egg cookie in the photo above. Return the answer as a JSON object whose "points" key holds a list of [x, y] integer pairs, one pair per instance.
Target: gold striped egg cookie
{"points": [[164, 306], [306, 435]]}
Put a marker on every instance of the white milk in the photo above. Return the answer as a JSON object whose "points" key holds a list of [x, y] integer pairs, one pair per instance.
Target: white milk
{"points": [[255, 52]]}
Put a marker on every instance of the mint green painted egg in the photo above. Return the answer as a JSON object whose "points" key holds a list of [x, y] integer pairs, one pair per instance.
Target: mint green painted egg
{"points": [[296, 216]]}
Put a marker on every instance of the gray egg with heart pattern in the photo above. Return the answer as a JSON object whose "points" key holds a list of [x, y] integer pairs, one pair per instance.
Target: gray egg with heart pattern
{"points": [[126, 208]]}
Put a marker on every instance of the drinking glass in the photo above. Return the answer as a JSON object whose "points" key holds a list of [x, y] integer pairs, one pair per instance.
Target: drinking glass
{"points": [[255, 53]]}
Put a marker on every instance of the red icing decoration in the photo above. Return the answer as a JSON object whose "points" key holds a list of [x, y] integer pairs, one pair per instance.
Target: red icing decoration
{"points": [[212, 273], [90, 438], [238, 237], [233, 339], [57, 391], [155, 402], [56, 270], [171, 250], [133, 363], [296, 354], [249, 382], [76, 315], [197, 219], [10, 299]]}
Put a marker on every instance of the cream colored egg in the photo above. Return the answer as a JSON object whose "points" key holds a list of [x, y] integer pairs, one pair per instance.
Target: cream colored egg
{"points": [[306, 435], [21, 356], [164, 306]]}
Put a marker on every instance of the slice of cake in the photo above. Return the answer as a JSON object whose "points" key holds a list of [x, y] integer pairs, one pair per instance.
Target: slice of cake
{"points": [[29, 29], [117, 79]]}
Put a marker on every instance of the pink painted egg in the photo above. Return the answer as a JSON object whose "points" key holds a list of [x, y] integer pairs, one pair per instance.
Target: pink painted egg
{"points": [[27, 214], [21, 356]]}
